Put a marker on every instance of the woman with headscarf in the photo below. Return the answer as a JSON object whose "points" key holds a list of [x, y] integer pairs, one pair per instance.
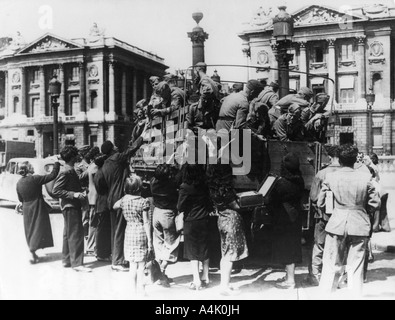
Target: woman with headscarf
{"points": [[285, 204], [35, 210]]}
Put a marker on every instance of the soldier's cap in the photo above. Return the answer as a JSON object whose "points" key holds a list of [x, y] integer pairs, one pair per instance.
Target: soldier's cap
{"points": [[152, 79], [170, 76], [238, 86], [306, 91], [201, 64], [321, 98], [141, 104], [294, 107], [254, 85], [84, 149], [274, 85]]}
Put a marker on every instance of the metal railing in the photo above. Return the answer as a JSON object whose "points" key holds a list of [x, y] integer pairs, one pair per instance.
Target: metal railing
{"points": [[386, 164]]}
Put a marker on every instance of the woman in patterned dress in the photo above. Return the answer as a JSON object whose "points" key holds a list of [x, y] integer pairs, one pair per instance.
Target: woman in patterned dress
{"points": [[138, 234], [230, 223]]}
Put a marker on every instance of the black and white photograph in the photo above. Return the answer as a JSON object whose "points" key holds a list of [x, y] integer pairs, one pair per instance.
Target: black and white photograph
{"points": [[205, 151]]}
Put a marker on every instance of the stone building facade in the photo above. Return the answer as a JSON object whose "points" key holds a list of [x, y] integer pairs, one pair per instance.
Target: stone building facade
{"points": [[355, 48], [102, 79]]}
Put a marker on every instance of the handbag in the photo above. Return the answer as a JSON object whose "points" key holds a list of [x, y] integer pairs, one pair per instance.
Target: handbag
{"points": [[152, 272], [179, 220]]}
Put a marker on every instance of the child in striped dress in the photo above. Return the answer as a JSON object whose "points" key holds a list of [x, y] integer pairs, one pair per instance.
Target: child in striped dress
{"points": [[138, 233]]}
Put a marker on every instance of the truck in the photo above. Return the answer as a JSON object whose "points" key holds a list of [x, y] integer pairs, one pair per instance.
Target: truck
{"points": [[15, 149]]}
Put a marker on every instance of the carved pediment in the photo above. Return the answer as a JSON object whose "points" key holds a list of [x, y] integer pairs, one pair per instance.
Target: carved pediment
{"points": [[321, 15], [49, 43]]}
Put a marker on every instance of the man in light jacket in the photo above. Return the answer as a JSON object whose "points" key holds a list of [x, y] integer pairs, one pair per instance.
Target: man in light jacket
{"points": [[354, 199]]}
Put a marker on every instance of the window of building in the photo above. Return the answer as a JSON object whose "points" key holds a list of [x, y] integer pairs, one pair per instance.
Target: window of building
{"points": [[346, 122], [93, 99], [30, 132], [377, 137], [16, 104], [75, 73], [35, 105], [69, 131], [318, 54], [74, 105], [93, 141], [347, 96], [347, 52], [346, 137], [36, 76]]}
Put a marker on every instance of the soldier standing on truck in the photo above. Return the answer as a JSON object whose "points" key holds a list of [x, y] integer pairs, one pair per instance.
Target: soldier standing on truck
{"points": [[209, 101]]}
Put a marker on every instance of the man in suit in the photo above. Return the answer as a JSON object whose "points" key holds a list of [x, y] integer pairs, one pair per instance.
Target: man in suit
{"points": [[68, 188], [321, 218], [354, 200], [111, 178]]}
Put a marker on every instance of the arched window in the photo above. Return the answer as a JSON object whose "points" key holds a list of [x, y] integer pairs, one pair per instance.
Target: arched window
{"points": [[377, 83], [16, 104]]}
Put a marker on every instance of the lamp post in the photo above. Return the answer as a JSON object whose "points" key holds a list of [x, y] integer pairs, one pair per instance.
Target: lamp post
{"points": [[370, 98], [283, 30], [54, 90]]}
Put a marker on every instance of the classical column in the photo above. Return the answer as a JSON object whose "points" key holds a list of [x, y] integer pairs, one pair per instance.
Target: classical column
{"points": [[362, 68], [6, 98], [111, 87], [62, 102], [124, 102], [134, 89], [198, 36], [145, 86], [331, 69], [81, 65], [273, 62], [303, 64], [42, 93], [23, 91]]}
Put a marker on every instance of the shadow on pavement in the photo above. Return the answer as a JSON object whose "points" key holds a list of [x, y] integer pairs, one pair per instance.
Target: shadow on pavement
{"points": [[380, 274]]}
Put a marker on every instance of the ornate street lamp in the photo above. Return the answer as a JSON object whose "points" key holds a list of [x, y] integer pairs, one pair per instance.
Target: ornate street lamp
{"points": [[370, 99], [283, 30], [54, 89]]}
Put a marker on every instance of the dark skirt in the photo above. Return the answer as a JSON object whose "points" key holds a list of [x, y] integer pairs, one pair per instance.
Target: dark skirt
{"points": [[196, 238], [37, 224], [287, 243]]}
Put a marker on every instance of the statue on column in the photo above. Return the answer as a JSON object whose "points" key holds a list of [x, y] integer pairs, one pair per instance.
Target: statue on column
{"points": [[95, 34]]}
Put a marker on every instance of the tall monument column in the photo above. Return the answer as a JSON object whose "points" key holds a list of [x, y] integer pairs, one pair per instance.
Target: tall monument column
{"points": [[303, 63], [198, 37], [332, 69]]}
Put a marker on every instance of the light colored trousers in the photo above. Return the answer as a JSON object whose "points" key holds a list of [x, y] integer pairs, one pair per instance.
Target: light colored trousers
{"points": [[341, 250]]}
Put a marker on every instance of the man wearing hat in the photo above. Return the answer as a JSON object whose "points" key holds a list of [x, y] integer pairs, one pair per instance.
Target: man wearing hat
{"points": [[209, 100], [235, 107], [301, 98], [237, 87], [112, 177], [289, 127], [177, 97], [269, 95]]}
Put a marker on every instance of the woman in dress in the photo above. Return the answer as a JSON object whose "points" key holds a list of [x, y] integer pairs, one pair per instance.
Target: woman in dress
{"points": [[36, 221], [164, 189], [285, 205], [194, 202], [138, 239], [230, 223]]}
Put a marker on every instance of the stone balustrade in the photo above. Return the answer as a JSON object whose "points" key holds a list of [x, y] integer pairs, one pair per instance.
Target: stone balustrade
{"points": [[386, 164]]}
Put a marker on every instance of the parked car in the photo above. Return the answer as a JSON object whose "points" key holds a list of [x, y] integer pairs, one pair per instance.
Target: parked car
{"points": [[10, 177]]}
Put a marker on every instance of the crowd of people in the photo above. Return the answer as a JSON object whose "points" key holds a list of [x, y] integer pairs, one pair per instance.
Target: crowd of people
{"points": [[111, 213]]}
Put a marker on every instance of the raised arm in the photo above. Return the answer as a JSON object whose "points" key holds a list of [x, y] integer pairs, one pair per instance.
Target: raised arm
{"points": [[49, 177]]}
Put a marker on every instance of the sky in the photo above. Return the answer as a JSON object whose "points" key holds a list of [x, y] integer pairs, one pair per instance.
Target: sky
{"points": [[157, 26]]}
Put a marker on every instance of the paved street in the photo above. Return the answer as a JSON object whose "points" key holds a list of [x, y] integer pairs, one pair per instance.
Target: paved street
{"points": [[48, 280]]}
